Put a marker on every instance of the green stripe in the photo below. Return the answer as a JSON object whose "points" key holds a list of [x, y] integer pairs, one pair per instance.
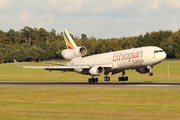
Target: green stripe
{"points": [[67, 38]]}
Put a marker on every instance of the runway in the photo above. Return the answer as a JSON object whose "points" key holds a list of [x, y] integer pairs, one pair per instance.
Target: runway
{"points": [[94, 85]]}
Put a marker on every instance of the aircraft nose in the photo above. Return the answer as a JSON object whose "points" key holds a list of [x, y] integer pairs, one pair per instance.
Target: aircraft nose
{"points": [[163, 55]]}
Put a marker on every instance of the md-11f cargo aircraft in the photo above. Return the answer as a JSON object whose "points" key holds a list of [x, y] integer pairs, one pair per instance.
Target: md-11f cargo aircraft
{"points": [[141, 59]]}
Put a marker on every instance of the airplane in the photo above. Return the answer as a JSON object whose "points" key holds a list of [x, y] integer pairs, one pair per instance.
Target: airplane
{"points": [[141, 59]]}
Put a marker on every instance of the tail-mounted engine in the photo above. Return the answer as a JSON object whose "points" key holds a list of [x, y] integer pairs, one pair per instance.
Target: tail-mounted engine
{"points": [[96, 71], [70, 54], [143, 70]]}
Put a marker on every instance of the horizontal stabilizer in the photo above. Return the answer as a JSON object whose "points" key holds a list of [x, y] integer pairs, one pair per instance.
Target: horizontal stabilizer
{"points": [[17, 64]]}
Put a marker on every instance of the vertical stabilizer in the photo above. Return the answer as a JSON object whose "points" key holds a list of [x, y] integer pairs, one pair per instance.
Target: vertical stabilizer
{"points": [[68, 40]]}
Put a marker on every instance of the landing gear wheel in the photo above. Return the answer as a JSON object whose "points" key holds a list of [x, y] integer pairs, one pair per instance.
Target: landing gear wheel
{"points": [[123, 79], [106, 78], [96, 80], [89, 80], [126, 78], [93, 80], [120, 79], [150, 74]]}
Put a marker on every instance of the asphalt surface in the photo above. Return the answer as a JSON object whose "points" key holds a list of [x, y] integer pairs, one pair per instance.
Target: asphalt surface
{"points": [[94, 85]]}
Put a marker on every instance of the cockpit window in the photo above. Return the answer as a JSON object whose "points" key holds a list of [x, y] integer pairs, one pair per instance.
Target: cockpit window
{"points": [[156, 51]]}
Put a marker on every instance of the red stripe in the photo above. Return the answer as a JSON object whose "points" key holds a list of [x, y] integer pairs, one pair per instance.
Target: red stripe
{"points": [[69, 47]]}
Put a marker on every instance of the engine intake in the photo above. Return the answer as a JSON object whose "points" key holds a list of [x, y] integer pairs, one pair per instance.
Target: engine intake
{"points": [[96, 71], [142, 70], [69, 54]]}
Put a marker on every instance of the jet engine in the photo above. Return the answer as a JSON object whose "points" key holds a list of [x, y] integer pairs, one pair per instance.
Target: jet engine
{"points": [[69, 54], [142, 70], [96, 71]]}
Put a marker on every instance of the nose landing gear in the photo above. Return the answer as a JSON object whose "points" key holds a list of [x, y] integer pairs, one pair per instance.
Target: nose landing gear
{"points": [[150, 71]]}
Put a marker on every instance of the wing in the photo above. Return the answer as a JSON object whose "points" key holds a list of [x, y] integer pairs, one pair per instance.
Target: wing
{"points": [[66, 67], [70, 67]]}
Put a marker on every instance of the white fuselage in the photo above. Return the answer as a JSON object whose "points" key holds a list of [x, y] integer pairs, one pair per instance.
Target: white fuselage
{"points": [[125, 59]]}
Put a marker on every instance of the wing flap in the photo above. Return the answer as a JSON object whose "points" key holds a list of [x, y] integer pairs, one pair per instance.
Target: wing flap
{"points": [[56, 63]]}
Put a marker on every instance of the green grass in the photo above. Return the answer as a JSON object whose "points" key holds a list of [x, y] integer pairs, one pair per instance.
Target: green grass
{"points": [[9, 72], [22, 103], [89, 103]]}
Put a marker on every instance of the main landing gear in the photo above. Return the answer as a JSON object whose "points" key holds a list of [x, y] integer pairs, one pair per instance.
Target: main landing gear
{"points": [[93, 80], [123, 78], [106, 78]]}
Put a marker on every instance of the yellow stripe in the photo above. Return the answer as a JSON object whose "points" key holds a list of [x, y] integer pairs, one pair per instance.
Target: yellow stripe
{"points": [[69, 44]]}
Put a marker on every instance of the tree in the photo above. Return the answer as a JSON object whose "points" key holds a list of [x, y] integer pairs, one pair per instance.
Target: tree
{"points": [[24, 33], [147, 39], [35, 38], [36, 53], [1, 57], [42, 33], [16, 54], [9, 53], [176, 39], [140, 41], [29, 31], [23, 54], [10, 34], [3, 38], [83, 36], [52, 34], [168, 47], [104, 48], [127, 44], [54, 47]]}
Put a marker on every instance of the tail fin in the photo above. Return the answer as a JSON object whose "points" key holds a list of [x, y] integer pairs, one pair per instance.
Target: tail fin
{"points": [[68, 40]]}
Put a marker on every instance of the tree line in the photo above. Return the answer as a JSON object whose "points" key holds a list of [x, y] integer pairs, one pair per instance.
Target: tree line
{"points": [[32, 44]]}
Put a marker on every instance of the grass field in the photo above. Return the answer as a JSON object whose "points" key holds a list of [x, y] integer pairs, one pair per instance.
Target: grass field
{"points": [[24, 103], [89, 103], [9, 72]]}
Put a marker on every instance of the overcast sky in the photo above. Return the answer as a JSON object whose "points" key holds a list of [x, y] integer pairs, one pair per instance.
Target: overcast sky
{"points": [[98, 18]]}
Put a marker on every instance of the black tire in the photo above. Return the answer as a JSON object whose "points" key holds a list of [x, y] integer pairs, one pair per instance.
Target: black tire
{"points": [[126, 78], [120, 79], [123, 78], [105, 78], [96, 80], [150, 74], [89, 80], [108, 78], [93, 80]]}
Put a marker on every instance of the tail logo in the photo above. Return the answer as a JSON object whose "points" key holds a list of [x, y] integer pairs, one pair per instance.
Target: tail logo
{"points": [[68, 43]]}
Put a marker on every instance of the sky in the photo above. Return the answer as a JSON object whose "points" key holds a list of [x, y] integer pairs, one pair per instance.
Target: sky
{"points": [[98, 18]]}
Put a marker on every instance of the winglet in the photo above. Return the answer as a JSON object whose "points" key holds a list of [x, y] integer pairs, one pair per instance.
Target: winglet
{"points": [[17, 64], [68, 40]]}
